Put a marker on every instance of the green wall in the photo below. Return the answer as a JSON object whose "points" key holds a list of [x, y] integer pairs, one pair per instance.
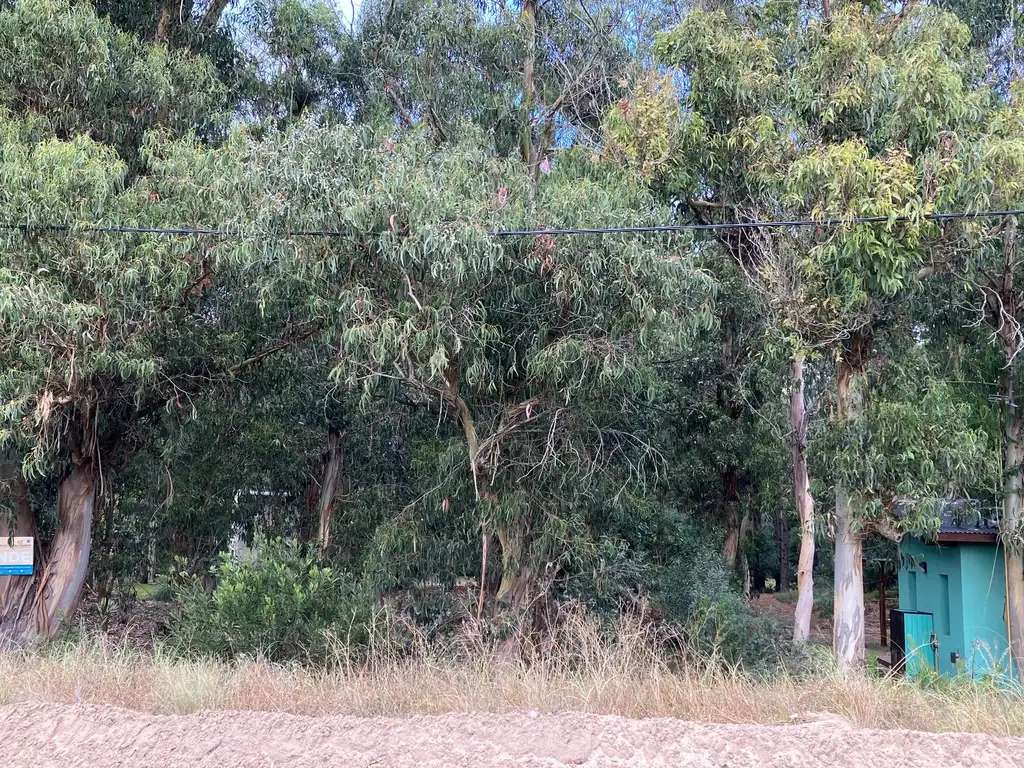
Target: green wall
{"points": [[986, 648], [964, 589]]}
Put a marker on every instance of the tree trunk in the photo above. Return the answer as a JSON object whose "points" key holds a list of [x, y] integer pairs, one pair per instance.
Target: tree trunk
{"points": [[166, 21], [38, 605], [1003, 303], [529, 18], [883, 629], [1013, 515], [516, 577], [12, 588], [782, 543], [733, 522], [151, 551], [329, 488], [481, 490], [804, 505], [212, 16], [744, 563], [848, 616]]}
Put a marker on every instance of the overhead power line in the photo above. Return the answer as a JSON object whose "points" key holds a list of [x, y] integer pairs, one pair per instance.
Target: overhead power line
{"points": [[654, 228]]}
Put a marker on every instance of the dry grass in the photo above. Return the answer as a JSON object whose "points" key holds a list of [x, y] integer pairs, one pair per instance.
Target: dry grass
{"points": [[630, 675]]}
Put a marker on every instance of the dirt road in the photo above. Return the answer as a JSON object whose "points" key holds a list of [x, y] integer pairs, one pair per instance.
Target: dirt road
{"points": [[45, 735]]}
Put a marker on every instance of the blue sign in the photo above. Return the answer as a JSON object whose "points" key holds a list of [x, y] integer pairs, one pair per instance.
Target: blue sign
{"points": [[16, 556]]}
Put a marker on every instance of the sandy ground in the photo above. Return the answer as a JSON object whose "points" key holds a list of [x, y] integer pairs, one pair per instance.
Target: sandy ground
{"points": [[44, 735]]}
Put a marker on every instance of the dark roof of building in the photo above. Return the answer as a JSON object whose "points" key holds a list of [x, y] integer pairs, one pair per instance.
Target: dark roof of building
{"points": [[967, 521], [966, 516], [961, 520]]}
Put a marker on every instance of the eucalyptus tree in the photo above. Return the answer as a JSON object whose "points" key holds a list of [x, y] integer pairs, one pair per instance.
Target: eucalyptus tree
{"points": [[536, 76], [979, 169], [101, 332], [529, 344], [831, 113]]}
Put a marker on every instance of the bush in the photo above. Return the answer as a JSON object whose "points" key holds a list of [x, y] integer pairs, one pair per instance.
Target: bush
{"points": [[727, 629], [279, 605], [696, 590]]}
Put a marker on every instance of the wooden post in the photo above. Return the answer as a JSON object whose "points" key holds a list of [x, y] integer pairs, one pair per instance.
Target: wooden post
{"points": [[883, 580]]}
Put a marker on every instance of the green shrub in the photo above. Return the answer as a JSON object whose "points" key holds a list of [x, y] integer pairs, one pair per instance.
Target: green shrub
{"points": [[695, 576], [162, 591], [729, 630], [280, 605], [696, 590]]}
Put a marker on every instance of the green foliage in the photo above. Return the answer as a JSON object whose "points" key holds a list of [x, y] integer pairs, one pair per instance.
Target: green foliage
{"points": [[695, 577], [281, 606], [917, 443], [595, 412], [728, 630], [60, 60]]}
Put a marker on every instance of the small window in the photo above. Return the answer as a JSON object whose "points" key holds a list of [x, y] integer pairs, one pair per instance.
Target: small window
{"points": [[943, 608], [909, 601]]}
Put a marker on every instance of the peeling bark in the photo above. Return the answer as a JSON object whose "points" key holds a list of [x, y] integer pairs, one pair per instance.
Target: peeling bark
{"points": [[38, 605], [329, 488], [165, 23], [804, 507]]}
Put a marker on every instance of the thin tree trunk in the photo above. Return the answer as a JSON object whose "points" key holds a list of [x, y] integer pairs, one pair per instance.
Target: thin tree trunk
{"points": [[481, 490], [804, 505], [733, 522], [329, 487], [1003, 303], [848, 616], [529, 17], [39, 605], [151, 551], [883, 629], [782, 543], [1013, 515], [744, 562]]}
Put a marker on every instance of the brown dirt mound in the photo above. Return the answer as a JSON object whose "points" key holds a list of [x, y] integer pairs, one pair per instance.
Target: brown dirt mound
{"points": [[52, 736]]}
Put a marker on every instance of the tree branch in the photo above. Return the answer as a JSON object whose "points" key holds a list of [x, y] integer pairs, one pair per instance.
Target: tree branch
{"points": [[212, 16]]}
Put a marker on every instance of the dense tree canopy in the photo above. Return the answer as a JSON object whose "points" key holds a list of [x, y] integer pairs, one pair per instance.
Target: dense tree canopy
{"points": [[350, 331]]}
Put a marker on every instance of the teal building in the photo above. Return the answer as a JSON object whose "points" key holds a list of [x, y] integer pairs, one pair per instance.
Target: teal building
{"points": [[952, 601]]}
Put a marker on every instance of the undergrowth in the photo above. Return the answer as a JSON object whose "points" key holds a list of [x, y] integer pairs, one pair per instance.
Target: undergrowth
{"points": [[634, 671]]}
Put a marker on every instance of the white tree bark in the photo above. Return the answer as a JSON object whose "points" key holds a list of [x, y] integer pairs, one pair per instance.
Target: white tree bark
{"points": [[804, 506], [848, 611], [848, 616]]}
